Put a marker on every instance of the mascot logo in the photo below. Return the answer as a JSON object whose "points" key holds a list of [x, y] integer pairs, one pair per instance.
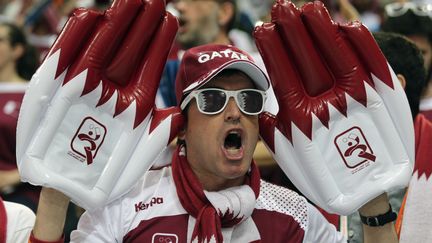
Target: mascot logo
{"points": [[354, 148], [88, 139]]}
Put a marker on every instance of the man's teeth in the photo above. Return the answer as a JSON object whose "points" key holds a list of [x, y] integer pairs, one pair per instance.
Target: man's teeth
{"points": [[232, 151]]}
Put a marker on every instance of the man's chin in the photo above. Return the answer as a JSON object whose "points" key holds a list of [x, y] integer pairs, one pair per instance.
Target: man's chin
{"points": [[236, 170]]}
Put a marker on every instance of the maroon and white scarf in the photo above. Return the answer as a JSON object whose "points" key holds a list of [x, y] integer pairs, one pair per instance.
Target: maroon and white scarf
{"points": [[213, 210]]}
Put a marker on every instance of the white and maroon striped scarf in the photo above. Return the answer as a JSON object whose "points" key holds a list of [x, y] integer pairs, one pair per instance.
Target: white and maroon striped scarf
{"points": [[213, 210]]}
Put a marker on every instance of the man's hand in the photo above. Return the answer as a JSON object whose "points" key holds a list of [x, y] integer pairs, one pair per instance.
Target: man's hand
{"points": [[87, 126], [344, 133]]}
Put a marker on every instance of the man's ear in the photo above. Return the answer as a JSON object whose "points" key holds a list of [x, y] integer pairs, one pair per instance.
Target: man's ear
{"points": [[226, 13], [402, 80]]}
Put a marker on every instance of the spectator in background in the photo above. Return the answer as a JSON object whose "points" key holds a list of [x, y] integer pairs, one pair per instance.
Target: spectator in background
{"points": [[44, 19], [18, 62], [413, 224], [414, 20], [204, 22], [201, 22], [16, 222]]}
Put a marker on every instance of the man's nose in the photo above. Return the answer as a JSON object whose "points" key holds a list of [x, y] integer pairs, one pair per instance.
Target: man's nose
{"points": [[232, 112]]}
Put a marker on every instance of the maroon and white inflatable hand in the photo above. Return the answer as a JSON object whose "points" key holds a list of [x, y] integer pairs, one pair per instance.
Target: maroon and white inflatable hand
{"points": [[344, 132], [87, 125]]}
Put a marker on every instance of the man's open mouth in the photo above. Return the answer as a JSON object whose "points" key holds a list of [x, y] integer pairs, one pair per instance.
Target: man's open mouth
{"points": [[182, 24], [233, 140], [181, 21], [233, 145]]}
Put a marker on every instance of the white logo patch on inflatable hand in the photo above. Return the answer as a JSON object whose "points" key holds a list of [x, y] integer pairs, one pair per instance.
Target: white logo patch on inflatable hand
{"points": [[87, 126]]}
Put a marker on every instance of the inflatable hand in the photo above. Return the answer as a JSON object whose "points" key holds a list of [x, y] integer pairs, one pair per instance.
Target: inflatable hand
{"points": [[344, 132], [87, 126]]}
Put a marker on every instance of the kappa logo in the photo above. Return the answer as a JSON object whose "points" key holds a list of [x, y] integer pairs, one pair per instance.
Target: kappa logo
{"points": [[164, 238], [87, 140], [143, 205], [354, 148], [205, 57]]}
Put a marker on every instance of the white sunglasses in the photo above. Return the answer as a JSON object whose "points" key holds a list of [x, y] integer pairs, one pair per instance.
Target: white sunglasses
{"points": [[212, 101], [399, 9]]}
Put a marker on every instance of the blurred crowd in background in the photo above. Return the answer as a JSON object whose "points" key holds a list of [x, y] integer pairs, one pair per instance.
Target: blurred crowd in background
{"points": [[42, 20], [202, 23]]}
